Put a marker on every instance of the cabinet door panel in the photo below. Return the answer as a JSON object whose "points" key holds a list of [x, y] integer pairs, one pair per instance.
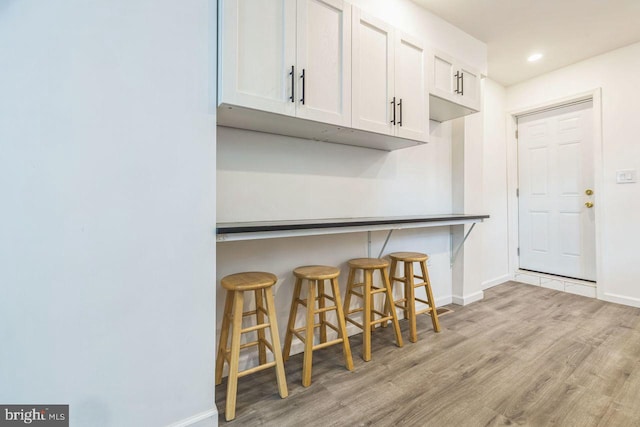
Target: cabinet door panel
{"points": [[372, 74], [470, 88], [257, 52], [324, 53], [410, 88], [443, 82]]}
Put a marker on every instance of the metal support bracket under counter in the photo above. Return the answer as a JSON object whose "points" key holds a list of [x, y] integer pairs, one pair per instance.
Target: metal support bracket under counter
{"points": [[234, 231]]}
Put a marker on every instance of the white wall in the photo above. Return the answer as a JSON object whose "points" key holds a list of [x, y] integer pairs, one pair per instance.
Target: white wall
{"points": [[617, 204], [107, 177], [467, 154], [266, 177], [495, 230]]}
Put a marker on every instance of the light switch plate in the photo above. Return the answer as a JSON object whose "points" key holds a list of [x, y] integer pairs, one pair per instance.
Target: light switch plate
{"points": [[626, 176]]}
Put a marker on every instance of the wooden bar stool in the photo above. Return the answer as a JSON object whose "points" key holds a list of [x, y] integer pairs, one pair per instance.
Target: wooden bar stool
{"points": [[408, 303], [367, 293], [236, 284], [315, 275]]}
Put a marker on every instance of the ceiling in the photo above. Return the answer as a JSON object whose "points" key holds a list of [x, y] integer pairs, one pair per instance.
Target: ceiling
{"points": [[564, 31]]}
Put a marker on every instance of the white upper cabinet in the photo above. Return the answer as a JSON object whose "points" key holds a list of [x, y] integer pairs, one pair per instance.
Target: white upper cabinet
{"points": [[257, 53], [470, 87], [412, 120], [454, 88], [324, 61], [442, 76], [324, 70], [289, 57], [389, 80], [373, 77]]}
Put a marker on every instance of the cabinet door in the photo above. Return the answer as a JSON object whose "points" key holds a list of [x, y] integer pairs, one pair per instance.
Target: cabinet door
{"points": [[442, 76], [372, 82], [470, 87], [410, 88], [257, 51], [324, 56]]}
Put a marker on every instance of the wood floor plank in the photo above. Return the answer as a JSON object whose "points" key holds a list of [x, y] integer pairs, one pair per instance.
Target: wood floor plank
{"points": [[619, 416], [523, 355], [628, 394], [604, 371], [586, 409]]}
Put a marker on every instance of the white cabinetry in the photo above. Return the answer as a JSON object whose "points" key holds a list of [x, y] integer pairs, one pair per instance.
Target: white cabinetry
{"points": [[256, 54], [389, 80], [316, 69], [287, 57], [454, 88], [324, 61], [411, 88]]}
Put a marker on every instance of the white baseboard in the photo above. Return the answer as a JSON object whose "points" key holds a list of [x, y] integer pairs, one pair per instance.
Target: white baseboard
{"points": [[209, 418], [497, 281], [446, 300], [558, 283], [468, 299], [620, 299]]}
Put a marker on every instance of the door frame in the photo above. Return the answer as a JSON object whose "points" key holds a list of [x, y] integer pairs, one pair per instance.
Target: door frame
{"points": [[512, 177]]}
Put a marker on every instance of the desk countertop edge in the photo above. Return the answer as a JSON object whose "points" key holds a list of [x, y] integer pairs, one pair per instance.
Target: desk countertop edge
{"points": [[266, 226]]}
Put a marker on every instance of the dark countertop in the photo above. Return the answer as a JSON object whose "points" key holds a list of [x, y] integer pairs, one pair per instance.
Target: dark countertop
{"points": [[263, 226]]}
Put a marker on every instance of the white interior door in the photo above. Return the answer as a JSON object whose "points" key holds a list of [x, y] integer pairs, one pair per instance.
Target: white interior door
{"points": [[555, 167], [324, 56]]}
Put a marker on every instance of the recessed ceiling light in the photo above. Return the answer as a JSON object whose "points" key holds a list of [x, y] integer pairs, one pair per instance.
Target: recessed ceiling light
{"points": [[534, 57]]}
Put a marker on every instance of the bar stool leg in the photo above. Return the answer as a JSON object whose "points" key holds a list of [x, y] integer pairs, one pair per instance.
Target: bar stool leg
{"points": [[275, 342], [430, 299], [224, 337], [308, 339], [373, 306], [387, 309], [366, 318], [232, 381], [394, 316], [322, 314], [342, 326], [410, 298], [262, 348], [388, 305], [347, 296], [293, 313]]}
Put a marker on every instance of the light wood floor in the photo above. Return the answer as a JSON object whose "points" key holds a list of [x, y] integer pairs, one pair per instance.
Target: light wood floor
{"points": [[524, 355]]}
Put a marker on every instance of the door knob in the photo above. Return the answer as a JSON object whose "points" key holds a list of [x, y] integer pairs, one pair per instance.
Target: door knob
{"points": [[588, 192], [589, 205]]}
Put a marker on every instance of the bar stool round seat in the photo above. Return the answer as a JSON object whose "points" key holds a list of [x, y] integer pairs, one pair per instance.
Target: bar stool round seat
{"points": [[366, 290], [408, 256], [261, 284], [316, 272], [316, 305], [408, 303], [248, 281], [368, 263]]}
